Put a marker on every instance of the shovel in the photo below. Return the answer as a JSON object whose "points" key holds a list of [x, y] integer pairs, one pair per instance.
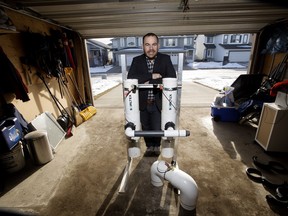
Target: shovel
{"points": [[87, 111]]}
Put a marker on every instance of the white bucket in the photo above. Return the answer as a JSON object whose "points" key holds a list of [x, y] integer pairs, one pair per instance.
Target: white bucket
{"points": [[39, 147], [13, 160]]}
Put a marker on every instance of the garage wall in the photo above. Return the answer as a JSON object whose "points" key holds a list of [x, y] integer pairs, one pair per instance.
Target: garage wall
{"points": [[12, 45]]}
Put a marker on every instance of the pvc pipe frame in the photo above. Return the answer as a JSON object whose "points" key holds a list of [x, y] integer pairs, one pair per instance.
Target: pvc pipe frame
{"points": [[161, 170]]}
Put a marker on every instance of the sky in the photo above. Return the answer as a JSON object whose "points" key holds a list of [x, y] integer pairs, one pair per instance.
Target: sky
{"points": [[104, 40]]}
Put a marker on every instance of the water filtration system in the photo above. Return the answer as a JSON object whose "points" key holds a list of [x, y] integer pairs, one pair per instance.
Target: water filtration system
{"points": [[160, 170]]}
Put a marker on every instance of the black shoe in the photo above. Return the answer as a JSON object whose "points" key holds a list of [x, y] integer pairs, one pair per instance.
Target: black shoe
{"points": [[277, 206], [149, 151], [152, 151], [282, 192], [270, 165], [157, 150]]}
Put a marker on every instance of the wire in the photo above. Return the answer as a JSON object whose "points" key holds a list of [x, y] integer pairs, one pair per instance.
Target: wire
{"points": [[131, 90], [169, 100], [164, 172], [126, 95], [185, 5]]}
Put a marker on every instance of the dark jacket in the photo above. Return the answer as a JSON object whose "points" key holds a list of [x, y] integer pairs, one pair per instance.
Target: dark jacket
{"points": [[139, 70]]}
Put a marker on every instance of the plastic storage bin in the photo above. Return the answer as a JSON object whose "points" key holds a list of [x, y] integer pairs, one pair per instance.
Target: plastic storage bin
{"points": [[225, 114], [10, 134]]}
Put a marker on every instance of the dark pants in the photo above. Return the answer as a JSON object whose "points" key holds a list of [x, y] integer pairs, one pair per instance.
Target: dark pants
{"points": [[151, 120]]}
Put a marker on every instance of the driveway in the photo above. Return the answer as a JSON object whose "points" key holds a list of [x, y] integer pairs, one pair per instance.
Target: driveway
{"points": [[192, 80]]}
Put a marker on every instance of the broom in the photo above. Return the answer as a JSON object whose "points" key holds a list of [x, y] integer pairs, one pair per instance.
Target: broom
{"points": [[87, 111]]}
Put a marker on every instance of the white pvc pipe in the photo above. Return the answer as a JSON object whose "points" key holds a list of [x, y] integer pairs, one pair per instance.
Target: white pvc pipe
{"points": [[169, 102], [125, 178], [167, 148], [166, 133], [129, 132], [176, 133], [131, 100], [150, 86], [179, 179]]}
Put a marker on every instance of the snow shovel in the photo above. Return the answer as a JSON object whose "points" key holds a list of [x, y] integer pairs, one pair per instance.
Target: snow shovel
{"points": [[87, 111]]}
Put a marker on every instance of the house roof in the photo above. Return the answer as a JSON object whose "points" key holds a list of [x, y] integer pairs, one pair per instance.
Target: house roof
{"points": [[98, 44], [236, 46], [113, 18], [210, 46]]}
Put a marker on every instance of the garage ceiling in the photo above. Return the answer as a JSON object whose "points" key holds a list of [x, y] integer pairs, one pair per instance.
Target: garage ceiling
{"points": [[112, 18]]}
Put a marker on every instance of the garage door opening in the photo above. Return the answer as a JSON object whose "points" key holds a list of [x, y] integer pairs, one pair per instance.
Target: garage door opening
{"points": [[201, 52]]}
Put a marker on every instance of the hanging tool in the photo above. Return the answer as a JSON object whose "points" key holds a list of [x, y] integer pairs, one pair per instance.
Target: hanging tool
{"points": [[87, 111], [74, 105], [64, 120], [69, 72]]}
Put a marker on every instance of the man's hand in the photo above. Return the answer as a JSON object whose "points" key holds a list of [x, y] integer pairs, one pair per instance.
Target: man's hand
{"points": [[156, 76]]}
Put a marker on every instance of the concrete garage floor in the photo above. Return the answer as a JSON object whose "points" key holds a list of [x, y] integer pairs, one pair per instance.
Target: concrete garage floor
{"points": [[86, 172]]}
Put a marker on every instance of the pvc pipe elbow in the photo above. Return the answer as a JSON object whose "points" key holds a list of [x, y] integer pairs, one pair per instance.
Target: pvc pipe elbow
{"points": [[179, 179], [129, 132]]}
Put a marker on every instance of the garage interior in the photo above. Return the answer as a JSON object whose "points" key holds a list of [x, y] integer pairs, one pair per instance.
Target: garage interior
{"points": [[85, 174]]}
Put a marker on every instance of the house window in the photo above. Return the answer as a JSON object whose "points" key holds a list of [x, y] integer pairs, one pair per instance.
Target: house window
{"points": [[96, 52], [225, 39], [140, 41], [122, 42], [188, 41], [209, 53], [245, 39], [131, 41], [115, 43], [209, 39], [190, 53], [236, 38], [170, 42]]}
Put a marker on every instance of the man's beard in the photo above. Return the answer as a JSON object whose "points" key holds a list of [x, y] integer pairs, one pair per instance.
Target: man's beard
{"points": [[151, 57]]}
